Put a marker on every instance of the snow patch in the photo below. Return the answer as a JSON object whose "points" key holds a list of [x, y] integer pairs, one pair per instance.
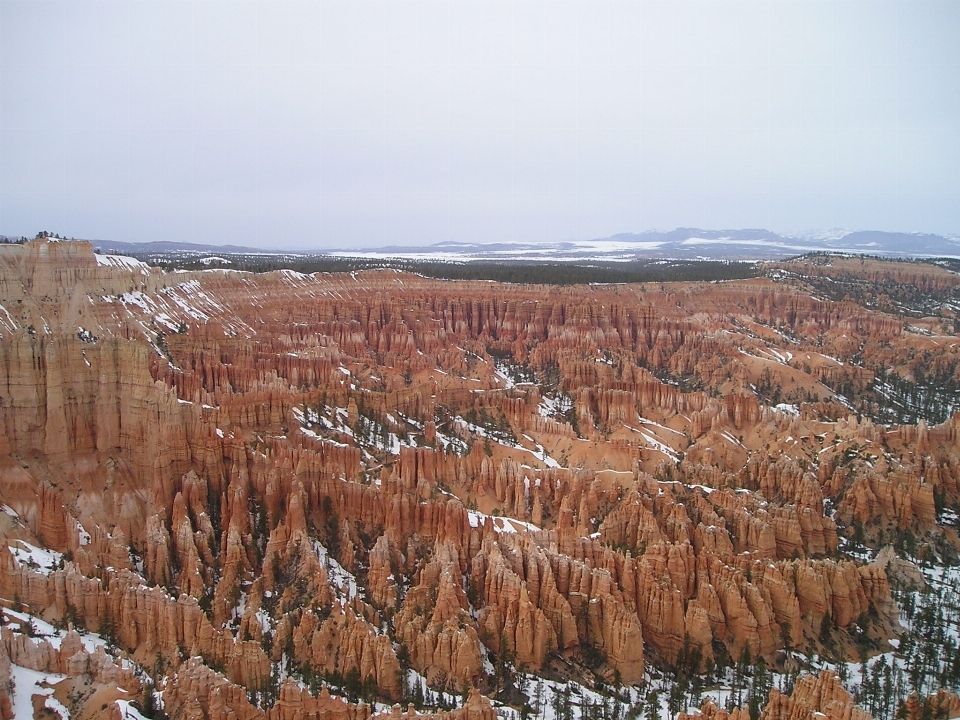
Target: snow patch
{"points": [[40, 559], [123, 262], [26, 684], [500, 524]]}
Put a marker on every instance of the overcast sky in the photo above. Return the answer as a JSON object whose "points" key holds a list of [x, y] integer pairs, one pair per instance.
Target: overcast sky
{"points": [[361, 124]]}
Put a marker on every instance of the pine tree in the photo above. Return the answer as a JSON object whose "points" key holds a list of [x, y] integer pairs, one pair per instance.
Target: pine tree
{"points": [[653, 706]]}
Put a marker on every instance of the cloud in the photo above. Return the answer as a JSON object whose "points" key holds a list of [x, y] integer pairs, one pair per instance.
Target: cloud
{"points": [[326, 124]]}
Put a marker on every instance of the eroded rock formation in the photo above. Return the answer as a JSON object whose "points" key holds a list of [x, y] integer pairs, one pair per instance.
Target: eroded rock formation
{"points": [[337, 477]]}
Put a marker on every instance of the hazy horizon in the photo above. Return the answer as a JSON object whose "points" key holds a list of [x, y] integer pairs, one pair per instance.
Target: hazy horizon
{"points": [[335, 125], [811, 236]]}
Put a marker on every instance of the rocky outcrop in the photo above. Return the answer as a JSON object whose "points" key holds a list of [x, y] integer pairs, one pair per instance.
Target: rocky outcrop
{"points": [[342, 644], [434, 623], [255, 469], [813, 696], [943, 704]]}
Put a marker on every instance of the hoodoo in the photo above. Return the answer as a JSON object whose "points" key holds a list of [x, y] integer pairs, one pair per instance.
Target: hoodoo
{"points": [[281, 495]]}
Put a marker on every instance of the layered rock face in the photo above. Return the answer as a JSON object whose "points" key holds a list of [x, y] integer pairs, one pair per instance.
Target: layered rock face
{"points": [[268, 484]]}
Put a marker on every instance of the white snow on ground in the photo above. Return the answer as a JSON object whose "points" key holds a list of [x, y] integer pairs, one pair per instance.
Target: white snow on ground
{"points": [[431, 696], [266, 622], [770, 354], [655, 442], [36, 558], [453, 443], [731, 438], [501, 524], [121, 261], [167, 321], [705, 488], [788, 408], [507, 380], [45, 631], [294, 275], [26, 684], [645, 421], [128, 711], [53, 704], [9, 322], [544, 696], [310, 433], [144, 302], [390, 443], [551, 407], [342, 581], [540, 453], [662, 447], [783, 357], [546, 458], [193, 300]]}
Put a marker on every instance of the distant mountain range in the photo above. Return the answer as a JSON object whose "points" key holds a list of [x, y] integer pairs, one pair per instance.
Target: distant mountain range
{"points": [[682, 243], [164, 247]]}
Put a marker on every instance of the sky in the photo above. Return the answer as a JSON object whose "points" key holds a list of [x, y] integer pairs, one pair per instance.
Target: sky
{"points": [[318, 125]]}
